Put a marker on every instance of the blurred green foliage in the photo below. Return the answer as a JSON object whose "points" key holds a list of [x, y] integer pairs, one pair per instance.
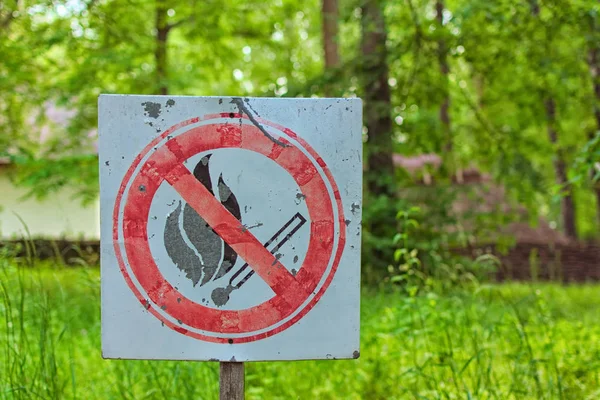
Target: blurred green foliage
{"points": [[505, 60]]}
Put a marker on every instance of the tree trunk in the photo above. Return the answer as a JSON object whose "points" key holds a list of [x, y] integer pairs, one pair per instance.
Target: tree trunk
{"points": [[444, 71], [560, 167], [160, 53], [330, 32], [594, 65], [380, 176]]}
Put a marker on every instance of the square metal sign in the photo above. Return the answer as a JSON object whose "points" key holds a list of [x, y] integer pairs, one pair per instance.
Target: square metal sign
{"points": [[230, 227]]}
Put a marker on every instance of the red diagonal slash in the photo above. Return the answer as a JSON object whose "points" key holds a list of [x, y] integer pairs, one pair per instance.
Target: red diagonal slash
{"points": [[245, 244]]}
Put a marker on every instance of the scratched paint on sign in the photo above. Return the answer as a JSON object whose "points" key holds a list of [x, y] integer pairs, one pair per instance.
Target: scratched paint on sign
{"points": [[230, 227]]}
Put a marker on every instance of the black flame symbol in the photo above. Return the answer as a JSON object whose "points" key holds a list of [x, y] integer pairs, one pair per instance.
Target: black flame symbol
{"points": [[191, 243]]}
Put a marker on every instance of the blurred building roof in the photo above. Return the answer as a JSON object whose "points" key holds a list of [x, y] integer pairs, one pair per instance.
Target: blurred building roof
{"points": [[50, 123], [481, 195], [412, 164]]}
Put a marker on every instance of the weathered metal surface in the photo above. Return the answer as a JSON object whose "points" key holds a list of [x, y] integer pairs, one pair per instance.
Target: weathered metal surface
{"points": [[230, 227]]}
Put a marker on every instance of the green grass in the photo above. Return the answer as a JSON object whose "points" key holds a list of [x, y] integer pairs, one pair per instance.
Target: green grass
{"points": [[511, 341]]}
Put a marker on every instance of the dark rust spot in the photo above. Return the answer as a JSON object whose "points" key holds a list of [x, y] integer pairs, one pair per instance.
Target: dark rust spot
{"points": [[152, 110]]}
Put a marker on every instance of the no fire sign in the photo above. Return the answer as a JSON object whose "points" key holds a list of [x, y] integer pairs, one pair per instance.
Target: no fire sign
{"points": [[230, 227]]}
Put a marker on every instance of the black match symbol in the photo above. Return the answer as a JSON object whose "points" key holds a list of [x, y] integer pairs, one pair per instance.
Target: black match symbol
{"points": [[203, 255], [273, 245]]}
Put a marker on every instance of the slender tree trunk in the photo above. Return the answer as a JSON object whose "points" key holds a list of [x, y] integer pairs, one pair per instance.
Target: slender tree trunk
{"points": [[560, 167], [330, 33], [594, 65], [377, 98], [480, 88], [444, 71], [160, 53], [380, 176]]}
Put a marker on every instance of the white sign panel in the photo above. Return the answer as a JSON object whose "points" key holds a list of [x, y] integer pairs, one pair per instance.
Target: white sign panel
{"points": [[230, 227]]}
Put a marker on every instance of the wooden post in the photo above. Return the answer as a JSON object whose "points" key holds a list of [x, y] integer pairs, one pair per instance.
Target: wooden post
{"points": [[231, 381]]}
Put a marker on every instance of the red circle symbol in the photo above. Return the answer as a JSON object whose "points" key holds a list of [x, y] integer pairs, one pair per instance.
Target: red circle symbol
{"points": [[161, 162]]}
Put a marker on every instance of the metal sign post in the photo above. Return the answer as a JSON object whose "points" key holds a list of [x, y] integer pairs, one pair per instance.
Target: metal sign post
{"points": [[230, 229]]}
